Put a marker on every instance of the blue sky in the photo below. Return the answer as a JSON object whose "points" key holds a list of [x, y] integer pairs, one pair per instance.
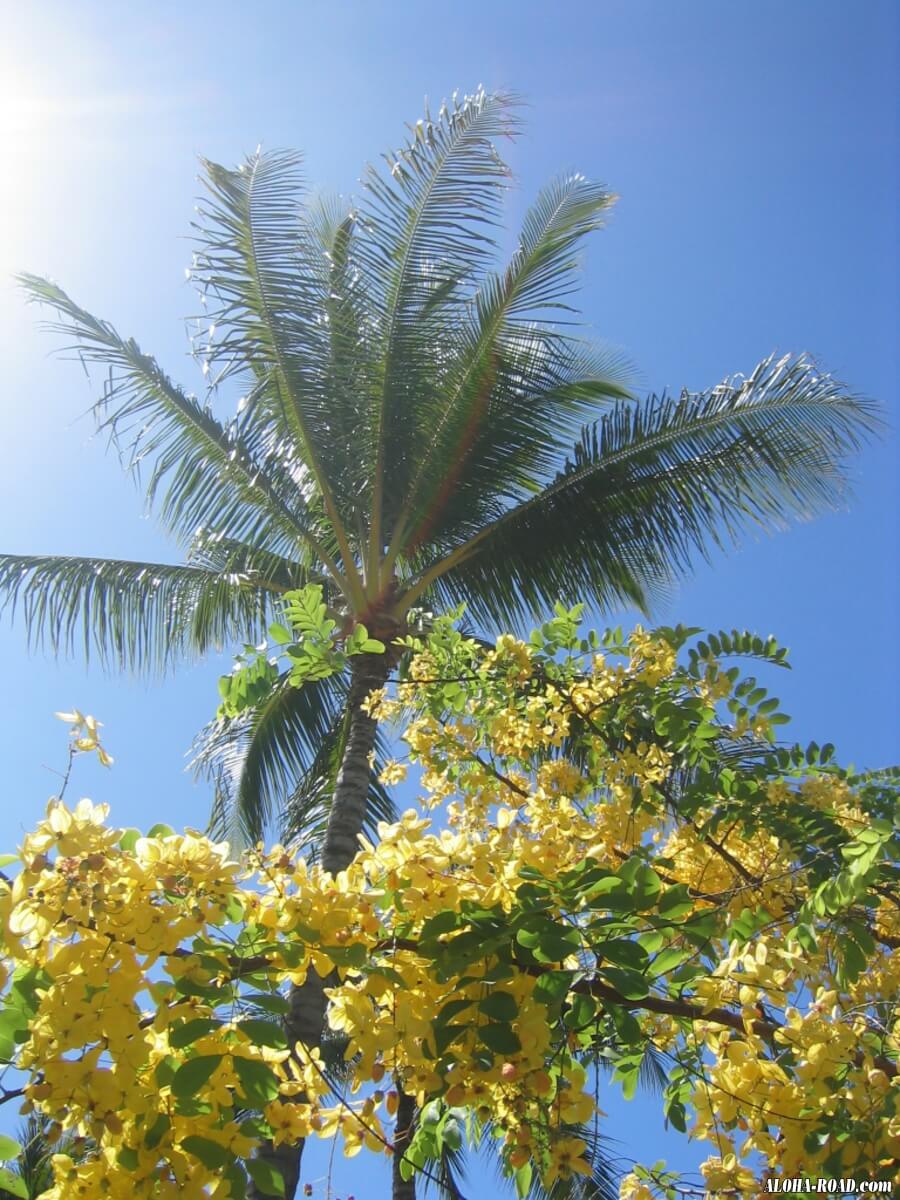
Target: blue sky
{"points": [[755, 150]]}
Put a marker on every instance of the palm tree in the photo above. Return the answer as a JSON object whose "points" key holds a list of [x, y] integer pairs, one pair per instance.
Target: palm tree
{"points": [[33, 1169], [402, 434]]}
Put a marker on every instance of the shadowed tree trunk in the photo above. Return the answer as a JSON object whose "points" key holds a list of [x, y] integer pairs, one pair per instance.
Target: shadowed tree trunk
{"points": [[304, 1023], [306, 1019], [368, 672], [403, 1189]]}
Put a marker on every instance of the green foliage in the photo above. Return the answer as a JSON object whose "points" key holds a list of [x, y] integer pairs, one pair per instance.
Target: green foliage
{"points": [[310, 641]]}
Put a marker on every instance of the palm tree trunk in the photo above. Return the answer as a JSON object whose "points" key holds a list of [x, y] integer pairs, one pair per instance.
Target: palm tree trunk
{"points": [[306, 1019], [304, 1023], [368, 672], [403, 1189]]}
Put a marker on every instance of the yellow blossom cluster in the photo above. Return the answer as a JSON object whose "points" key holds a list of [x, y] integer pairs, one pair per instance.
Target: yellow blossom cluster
{"points": [[589, 876]]}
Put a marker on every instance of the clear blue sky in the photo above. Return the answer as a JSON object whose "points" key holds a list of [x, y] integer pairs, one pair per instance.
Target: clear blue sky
{"points": [[755, 149]]}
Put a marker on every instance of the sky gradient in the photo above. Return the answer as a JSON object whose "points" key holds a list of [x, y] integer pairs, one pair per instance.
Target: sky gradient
{"points": [[754, 148]]}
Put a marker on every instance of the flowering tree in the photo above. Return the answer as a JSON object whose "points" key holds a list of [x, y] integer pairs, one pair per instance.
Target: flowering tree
{"points": [[615, 862]]}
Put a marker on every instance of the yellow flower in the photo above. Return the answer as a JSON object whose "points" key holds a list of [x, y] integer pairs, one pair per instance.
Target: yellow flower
{"points": [[567, 1158], [392, 773]]}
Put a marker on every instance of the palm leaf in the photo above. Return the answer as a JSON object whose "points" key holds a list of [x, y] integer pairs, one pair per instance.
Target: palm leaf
{"points": [[601, 1184], [509, 438], [34, 1166], [504, 362], [652, 484], [255, 761], [267, 279], [304, 820], [212, 549], [426, 230], [446, 1174], [274, 767], [134, 615], [212, 476]]}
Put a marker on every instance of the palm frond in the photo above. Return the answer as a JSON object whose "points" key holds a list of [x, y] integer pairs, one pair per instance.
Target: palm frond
{"points": [[256, 760], [133, 615], [427, 218], [34, 1166], [510, 438], [210, 548], [508, 362], [351, 369], [304, 820], [601, 1184], [274, 767], [425, 231], [652, 484], [336, 1067], [543, 270], [212, 476], [446, 1175], [266, 281], [653, 1073]]}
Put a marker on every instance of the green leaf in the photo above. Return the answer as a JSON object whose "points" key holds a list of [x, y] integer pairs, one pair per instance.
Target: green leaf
{"points": [[183, 1035], [853, 960], [160, 831], [582, 1011], [553, 986], [211, 1154], [668, 960], [280, 634], [156, 1132], [610, 893], [630, 984], [355, 955], [430, 1116], [237, 1181], [129, 839], [165, 1070], [259, 1082], [7, 860], [523, 1180], [14, 1184], [528, 938], [441, 922], [500, 1039], [627, 1072], [676, 1115], [627, 1027], [271, 1002], [234, 909], [12, 1022], [450, 1010], [643, 884], [451, 1136], [8, 1148], [675, 902], [500, 1005], [623, 952], [805, 935], [265, 1033], [267, 1178], [191, 1076]]}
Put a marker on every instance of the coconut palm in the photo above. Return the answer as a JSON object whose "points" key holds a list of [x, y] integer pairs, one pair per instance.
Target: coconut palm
{"points": [[33, 1169], [403, 416]]}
